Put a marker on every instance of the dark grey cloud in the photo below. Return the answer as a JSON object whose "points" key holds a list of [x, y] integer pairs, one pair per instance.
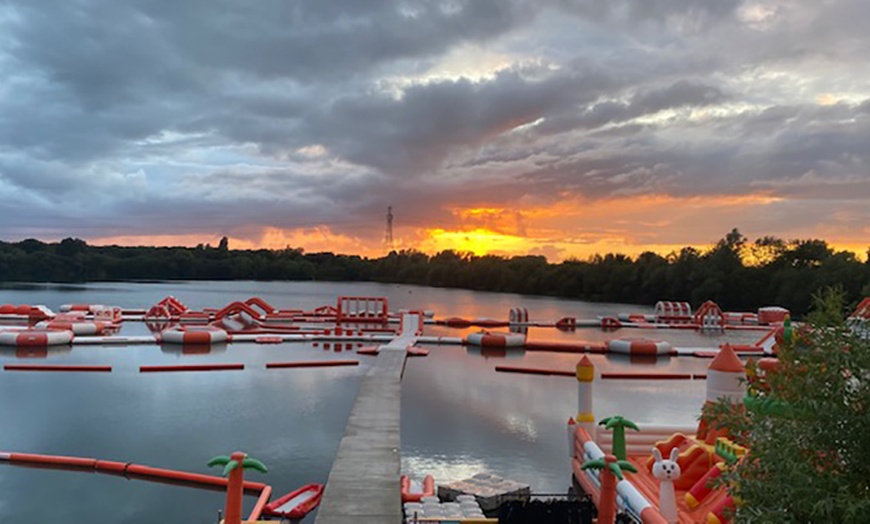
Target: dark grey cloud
{"points": [[684, 14], [150, 115]]}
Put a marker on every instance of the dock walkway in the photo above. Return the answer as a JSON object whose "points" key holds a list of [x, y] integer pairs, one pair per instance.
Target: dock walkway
{"points": [[363, 486]]}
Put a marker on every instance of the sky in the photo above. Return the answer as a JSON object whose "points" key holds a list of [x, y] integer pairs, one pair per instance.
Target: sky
{"points": [[550, 127]]}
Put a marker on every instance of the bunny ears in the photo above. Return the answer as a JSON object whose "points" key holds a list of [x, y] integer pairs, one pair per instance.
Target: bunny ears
{"points": [[675, 453]]}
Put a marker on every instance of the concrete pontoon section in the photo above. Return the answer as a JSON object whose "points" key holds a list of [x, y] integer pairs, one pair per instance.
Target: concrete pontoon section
{"points": [[363, 486]]}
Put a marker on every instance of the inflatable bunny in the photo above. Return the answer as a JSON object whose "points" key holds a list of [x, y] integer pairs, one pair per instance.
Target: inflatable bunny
{"points": [[667, 471]]}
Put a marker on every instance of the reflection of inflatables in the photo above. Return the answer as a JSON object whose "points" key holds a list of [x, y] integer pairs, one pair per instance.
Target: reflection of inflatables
{"points": [[35, 351], [193, 349], [495, 352]]}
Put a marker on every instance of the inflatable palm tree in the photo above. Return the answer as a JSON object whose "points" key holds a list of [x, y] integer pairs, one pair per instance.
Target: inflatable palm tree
{"points": [[611, 469], [234, 466], [618, 425]]}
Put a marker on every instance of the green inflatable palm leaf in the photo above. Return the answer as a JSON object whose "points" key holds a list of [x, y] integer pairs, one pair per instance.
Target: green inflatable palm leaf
{"points": [[250, 463], [220, 460]]}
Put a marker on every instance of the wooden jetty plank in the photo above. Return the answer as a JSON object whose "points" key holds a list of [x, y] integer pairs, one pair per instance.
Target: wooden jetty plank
{"points": [[363, 485]]}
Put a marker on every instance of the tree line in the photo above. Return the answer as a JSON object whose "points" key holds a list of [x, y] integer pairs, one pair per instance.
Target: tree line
{"points": [[737, 274]]}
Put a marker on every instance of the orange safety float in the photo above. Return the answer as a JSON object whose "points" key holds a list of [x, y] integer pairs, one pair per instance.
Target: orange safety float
{"points": [[639, 346], [24, 310], [66, 308], [36, 337], [496, 339], [202, 335], [78, 327]]}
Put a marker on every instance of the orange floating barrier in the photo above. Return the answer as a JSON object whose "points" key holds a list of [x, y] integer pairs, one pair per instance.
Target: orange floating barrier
{"points": [[563, 347], [191, 367], [184, 477], [653, 376], [111, 467], [131, 470], [56, 367], [52, 460], [312, 364], [535, 371], [261, 503]]}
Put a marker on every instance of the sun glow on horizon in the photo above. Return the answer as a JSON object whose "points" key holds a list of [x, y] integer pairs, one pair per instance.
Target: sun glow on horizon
{"points": [[568, 228]]}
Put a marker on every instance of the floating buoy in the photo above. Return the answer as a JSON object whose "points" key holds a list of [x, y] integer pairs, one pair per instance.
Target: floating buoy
{"points": [[65, 308], [36, 337], [194, 335], [78, 327], [496, 339], [639, 346]]}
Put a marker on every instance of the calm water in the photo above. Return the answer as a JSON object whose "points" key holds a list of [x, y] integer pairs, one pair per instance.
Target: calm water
{"points": [[459, 416]]}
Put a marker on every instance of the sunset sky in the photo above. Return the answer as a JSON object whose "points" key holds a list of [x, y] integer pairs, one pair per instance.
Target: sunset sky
{"points": [[553, 127]]}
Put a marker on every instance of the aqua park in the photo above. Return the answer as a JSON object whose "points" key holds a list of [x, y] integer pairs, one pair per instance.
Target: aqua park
{"points": [[654, 473]]}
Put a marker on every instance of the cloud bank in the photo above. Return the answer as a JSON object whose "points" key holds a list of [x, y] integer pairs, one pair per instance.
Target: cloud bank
{"points": [[300, 122]]}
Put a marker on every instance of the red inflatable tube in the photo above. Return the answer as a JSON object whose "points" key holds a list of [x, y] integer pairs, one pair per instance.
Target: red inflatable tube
{"points": [[184, 477], [53, 460], [111, 467], [261, 503], [312, 364], [191, 367], [50, 367], [652, 376], [746, 348], [535, 371], [123, 468]]}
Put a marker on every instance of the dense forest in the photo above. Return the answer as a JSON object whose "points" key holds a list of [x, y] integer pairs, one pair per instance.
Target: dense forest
{"points": [[735, 273]]}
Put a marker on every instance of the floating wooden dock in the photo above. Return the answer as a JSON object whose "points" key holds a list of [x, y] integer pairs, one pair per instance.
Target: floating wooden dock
{"points": [[363, 486]]}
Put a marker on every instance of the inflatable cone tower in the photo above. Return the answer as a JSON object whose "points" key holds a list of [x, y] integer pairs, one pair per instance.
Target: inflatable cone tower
{"points": [[725, 380]]}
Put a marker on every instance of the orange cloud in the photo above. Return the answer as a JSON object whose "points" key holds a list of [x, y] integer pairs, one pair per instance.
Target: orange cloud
{"points": [[568, 228], [315, 239]]}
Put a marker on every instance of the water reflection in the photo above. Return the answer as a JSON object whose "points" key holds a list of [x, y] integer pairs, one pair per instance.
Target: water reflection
{"points": [[193, 349], [617, 360], [35, 352], [495, 352], [459, 417]]}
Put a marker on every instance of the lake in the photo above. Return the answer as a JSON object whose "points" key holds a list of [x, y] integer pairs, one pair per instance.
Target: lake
{"points": [[459, 416]]}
